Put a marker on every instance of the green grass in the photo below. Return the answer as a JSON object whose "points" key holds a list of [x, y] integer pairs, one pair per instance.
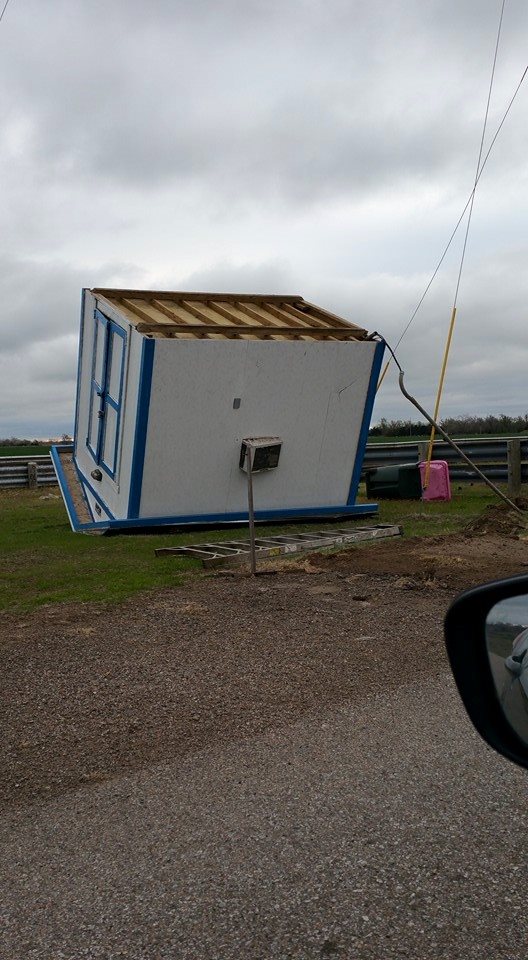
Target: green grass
{"points": [[42, 561], [25, 450], [421, 519]]}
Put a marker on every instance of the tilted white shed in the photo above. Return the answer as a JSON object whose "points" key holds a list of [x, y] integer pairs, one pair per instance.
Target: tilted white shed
{"points": [[170, 384]]}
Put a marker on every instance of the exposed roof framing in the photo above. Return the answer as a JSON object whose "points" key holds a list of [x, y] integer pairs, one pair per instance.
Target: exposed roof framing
{"points": [[239, 316]]}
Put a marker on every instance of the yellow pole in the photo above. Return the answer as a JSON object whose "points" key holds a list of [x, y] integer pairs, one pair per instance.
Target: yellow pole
{"points": [[383, 375], [439, 397]]}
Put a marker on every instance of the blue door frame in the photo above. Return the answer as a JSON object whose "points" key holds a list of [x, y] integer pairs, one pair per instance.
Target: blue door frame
{"points": [[106, 391]]}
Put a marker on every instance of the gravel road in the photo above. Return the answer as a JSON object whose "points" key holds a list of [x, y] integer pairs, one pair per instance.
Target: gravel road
{"points": [[375, 830]]}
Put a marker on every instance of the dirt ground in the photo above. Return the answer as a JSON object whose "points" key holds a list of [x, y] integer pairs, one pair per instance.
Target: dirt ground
{"points": [[89, 692], [492, 546]]}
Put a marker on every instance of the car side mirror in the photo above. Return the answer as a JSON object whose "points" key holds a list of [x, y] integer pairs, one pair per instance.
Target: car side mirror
{"points": [[486, 633]]}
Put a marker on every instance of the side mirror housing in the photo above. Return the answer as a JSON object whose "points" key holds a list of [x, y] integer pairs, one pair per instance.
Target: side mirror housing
{"points": [[486, 634]]}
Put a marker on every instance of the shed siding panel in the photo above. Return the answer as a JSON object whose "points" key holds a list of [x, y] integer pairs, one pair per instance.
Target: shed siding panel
{"points": [[310, 394]]}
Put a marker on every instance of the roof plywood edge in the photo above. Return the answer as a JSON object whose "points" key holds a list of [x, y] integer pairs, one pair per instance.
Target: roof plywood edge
{"points": [[119, 292], [262, 332], [181, 314]]}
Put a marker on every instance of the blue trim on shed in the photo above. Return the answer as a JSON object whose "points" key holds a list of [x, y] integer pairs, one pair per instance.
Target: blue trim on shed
{"points": [[97, 496], [365, 424], [65, 490], [217, 519], [140, 434], [81, 484], [79, 355], [113, 330], [73, 516], [109, 329], [96, 386]]}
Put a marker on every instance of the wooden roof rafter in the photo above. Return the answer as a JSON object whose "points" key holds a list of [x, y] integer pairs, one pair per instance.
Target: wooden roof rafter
{"points": [[230, 330], [178, 314]]}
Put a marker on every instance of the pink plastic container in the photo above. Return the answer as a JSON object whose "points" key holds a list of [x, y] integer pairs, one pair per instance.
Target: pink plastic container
{"points": [[439, 487]]}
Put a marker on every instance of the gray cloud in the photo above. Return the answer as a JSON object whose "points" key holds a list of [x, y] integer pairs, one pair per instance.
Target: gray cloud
{"points": [[42, 300], [38, 347], [270, 277], [294, 102]]}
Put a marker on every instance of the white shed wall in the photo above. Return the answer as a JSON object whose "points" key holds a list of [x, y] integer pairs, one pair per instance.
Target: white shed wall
{"points": [[311, 394]]}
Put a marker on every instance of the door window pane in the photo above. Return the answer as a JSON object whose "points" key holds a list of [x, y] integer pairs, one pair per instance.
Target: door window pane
{"points": [[99, 351], [115, 361], [107, 380], [110, 433], [94, 420]]}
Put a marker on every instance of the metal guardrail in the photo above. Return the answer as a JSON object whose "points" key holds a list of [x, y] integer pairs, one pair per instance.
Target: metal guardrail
{"points": [[15, 472], [490, 455]]}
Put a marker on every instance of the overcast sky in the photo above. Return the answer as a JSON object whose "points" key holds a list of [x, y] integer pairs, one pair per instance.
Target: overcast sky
{"points": [[319, 147]]}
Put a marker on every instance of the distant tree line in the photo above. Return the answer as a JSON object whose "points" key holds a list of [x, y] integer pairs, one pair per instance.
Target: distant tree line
{"points": [[459, 426], [19, 442]]}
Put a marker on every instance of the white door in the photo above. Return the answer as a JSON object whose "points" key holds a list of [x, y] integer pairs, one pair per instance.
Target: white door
{"points": [[106, 395]]}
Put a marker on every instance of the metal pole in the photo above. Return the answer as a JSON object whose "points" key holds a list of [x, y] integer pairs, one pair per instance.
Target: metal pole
{"points": [[423, 447], [32, 475], [514, 468], [454, 445], [251, 512]]}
